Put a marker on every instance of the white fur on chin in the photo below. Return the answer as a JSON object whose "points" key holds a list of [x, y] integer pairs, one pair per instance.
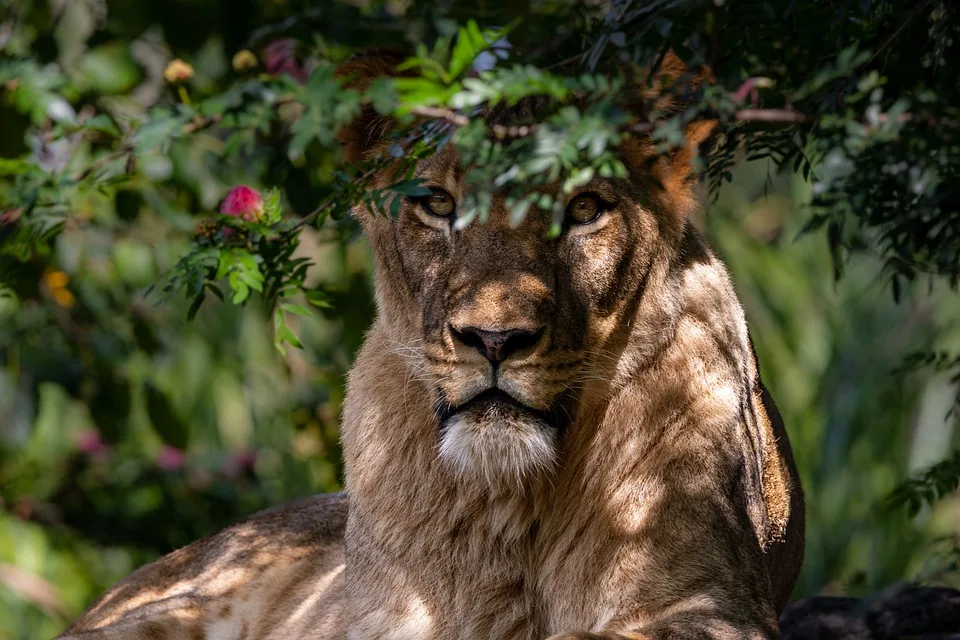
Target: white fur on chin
{"points": [[506, 447]]}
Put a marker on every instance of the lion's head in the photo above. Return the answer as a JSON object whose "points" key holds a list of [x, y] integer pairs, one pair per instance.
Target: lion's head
{"points": [[505, 325]]}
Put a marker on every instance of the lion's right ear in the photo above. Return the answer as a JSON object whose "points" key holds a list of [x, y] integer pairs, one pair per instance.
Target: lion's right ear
{"points": [[369, 128], [669, 89]]}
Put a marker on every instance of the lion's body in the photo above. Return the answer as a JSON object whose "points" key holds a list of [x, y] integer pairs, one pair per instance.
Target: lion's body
{"points": [[542, 437], [629, 510]]}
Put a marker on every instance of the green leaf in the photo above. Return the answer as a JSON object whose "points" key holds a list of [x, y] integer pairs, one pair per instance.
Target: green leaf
{"points": [[14, 166], [382, 95], [240, 292], [283, 334], [415, 92], [518, 210], [319, 298], [102, 123], [413, 188], [168, 425], [272, 206], [195, 306], [253, 279], [109, 70], [159, 131], [470, 42], [295, 309]]}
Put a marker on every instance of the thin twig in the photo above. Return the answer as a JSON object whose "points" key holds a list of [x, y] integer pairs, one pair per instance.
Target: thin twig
{"points": [[903, 25], [326, 203], [563, 63], [773, 116], [787, 116], [770, 115], [101, 162]]}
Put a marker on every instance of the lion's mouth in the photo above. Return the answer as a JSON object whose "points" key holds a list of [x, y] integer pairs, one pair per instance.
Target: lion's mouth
{"points": [[492, 396], [496, 401]]}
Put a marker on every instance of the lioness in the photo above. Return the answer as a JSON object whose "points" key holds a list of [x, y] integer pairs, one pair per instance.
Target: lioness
{"points": [[560, 438]]}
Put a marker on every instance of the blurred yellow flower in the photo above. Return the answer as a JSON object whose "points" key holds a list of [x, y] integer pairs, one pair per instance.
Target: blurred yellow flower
{"points": [[243, 60], [56, 281], [64, 298], [177, 71]]}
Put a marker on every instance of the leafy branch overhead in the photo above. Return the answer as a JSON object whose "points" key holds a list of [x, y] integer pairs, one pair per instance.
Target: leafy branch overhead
{"points": [[860, 99], [929, 486]]}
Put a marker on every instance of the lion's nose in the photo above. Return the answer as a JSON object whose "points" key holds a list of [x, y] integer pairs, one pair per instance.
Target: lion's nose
{"points": [[497, 346]]}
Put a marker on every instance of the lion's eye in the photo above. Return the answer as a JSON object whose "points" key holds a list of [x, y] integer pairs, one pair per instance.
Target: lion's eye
{"points": [[439, 203], [584, 208]]}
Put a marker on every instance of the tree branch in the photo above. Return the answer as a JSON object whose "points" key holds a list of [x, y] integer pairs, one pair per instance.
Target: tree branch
{"points": [[786, 116], [774, 116]]}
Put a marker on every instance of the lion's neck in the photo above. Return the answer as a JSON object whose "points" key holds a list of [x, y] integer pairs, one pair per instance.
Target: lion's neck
{"points": [[416, 532], [692, 286]]}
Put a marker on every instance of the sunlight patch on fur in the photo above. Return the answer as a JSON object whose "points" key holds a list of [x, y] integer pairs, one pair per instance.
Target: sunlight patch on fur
{"points": [[226, 629], [413, 623], [319, 590], [632, 504]]}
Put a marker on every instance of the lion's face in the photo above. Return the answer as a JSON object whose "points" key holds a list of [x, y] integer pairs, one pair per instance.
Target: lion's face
{"points": [[505, 324]]}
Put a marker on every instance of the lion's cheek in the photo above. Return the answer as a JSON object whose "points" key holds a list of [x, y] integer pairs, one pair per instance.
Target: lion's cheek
{"points": [[598, 266]]}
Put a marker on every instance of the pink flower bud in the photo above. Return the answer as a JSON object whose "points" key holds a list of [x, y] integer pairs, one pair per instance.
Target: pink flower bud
{"points": [[90, 442], [279, 57], [243, 202], [9, 217], [239, 463], [170, 458]]}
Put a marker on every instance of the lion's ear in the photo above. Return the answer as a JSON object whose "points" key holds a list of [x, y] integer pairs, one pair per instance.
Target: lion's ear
{"points": [[670, 89], [368, 128]]}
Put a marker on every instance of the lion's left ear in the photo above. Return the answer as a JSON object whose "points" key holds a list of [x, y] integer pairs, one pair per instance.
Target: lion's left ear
{"points": [[369, 128], [670, 89]]}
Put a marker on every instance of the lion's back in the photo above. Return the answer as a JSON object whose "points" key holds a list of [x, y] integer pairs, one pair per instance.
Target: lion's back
{"points": [[271, 576]]}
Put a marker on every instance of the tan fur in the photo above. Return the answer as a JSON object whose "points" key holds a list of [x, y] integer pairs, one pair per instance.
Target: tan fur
{"points": [[229, 585], [639, 485]]}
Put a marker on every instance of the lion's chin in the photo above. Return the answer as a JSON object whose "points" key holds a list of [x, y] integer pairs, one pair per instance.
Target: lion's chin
{"points": [[500, 442]]}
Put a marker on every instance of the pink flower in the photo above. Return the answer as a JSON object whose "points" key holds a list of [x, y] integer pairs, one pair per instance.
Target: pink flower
{"points": [[170, 458], [239, 463], [243, 202], [9, 217], [279, 57], [90, 442]]}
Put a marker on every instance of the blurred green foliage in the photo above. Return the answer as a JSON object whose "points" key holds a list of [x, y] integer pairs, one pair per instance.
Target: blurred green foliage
{"points": [[127, 431]]}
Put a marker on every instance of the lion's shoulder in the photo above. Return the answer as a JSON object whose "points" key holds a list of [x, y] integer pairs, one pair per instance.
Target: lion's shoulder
{"points": [[286, 547]]}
